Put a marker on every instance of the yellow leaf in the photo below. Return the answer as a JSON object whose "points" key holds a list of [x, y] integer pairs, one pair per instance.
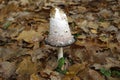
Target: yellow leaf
{"points": [[94, 31], [80, 42], [34, 77]]}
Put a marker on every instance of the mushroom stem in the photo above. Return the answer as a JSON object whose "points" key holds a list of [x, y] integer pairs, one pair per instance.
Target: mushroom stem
{"points": [[60, 52]]}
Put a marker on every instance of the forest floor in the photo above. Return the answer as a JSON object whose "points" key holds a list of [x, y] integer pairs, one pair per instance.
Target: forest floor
{"points": [[24, 25]]}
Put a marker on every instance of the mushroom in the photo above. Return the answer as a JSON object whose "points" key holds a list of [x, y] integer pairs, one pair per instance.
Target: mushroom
{"points": [[59, 31]]}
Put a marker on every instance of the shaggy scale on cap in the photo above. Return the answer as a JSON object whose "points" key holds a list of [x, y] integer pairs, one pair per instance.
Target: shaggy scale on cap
{"points": [[60, 34]]}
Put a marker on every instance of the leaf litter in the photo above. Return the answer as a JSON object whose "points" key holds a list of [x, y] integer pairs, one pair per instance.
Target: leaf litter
{"points": [[24, 24]]}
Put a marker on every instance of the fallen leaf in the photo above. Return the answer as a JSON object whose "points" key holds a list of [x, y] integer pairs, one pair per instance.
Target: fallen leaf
{"points": [[29, 36], [34, 77], [112, 78], [118, 37], [97, 66], [24, 2], [105, 13], [83, 25], [111, 62], [82, 9], [1, 78], [76, 78], [7, 9], [82, 36], [104, 37], [93, 25], [112, 28], [37, 54], [104, 24], [90, 16], [73, 70], [80, 42], [93, 31], [7, 69], [47, 73], [32, 36], [79, 54], [76, 68], [94, 75], [52, 61], [26, 67]]}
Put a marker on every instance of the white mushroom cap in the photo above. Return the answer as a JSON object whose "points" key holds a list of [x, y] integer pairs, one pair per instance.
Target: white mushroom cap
{"points": [[60, 34]]}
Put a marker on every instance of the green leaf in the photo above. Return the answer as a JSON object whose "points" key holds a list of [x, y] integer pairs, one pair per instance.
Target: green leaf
{"points": [[61, 62], [61, 71], [105, 72]]}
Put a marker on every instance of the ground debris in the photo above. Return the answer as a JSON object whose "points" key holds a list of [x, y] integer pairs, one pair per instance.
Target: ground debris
{"points": [[24, 25]]}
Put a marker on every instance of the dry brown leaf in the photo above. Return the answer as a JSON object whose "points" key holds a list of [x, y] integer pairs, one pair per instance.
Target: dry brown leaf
{"points": [[7, 53], [29, 36], [79, 54], [80, 42], [94, 75], [104, 24], [111, 78], [32, 36], [52, 75], [97, 20], [104, 37], [52, 61], [73, 70], [70, 20], [97, 66], [7, 9], [89, 16], [93, 25], [114, 47], [7, 69], [68, 78], [24, 2], [76, 68], [83, 25], [112, 28], [118, 37], [42, 28], [55, 77], [82, 9], [37, 54], [57, 1], [26, 67], [76, 78], [111, 62], [93, 31], [105, 13], [83, 36], [1, 78], [34, 77]]}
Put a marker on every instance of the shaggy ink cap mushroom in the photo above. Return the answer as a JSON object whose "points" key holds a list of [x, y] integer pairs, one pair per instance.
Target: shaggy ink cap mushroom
{"points": [[59, 31]]}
